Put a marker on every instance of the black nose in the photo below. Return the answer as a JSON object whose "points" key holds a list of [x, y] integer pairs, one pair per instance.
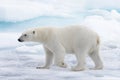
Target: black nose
{"points": [[20, 40]]}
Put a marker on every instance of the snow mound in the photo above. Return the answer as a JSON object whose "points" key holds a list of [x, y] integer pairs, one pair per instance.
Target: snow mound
{"points": [[113, 14], [109, 30], [21, 10], [15, 10]]}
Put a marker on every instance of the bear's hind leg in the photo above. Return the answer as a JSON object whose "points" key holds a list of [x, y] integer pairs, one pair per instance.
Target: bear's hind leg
{"points": [[81, 61], [49, 59], [96, 59]]}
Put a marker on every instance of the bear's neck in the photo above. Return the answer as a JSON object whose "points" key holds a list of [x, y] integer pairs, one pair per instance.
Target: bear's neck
{"points": [[41, 38]]}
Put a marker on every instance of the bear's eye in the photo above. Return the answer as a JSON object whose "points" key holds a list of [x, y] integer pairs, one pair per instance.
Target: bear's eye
{"points": [[33, 32], [25, 34]]}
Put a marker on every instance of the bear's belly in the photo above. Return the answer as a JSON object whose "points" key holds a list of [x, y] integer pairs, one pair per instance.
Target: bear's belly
{"points": [[69, 51], [67, 44], [68, 48]]}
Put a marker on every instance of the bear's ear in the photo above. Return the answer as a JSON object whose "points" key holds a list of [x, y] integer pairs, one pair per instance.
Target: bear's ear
{"points": [[33, 32]]}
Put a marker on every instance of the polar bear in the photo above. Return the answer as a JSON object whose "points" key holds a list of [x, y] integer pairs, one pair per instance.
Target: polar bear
{"points": [[78, 40]]}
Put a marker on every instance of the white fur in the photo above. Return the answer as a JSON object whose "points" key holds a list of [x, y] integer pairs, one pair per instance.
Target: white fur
{"points": [[78, 40]]}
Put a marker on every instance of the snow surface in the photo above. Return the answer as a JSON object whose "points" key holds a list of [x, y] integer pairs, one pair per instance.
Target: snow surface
{"points": [[19, 60]]}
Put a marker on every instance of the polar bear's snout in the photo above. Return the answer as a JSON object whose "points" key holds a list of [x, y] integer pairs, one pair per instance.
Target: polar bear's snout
{"points": [[20, 40]]}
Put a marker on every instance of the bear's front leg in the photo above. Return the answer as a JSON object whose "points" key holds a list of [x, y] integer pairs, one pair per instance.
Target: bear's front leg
{"points": [[59, 55], [59, 60], [49, 59], [58, 51]]}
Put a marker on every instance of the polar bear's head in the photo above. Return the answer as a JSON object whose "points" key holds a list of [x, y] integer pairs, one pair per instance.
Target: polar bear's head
{"points": [[28, 35], [36, 35]]}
